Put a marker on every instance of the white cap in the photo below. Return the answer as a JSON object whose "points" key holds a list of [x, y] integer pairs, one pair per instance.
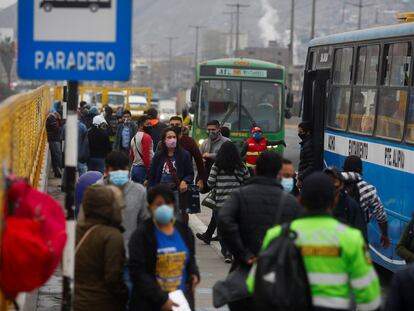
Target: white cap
{"points": [[98, 120]]}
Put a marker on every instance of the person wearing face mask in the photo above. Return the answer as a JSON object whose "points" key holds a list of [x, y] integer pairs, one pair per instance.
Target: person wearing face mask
{"points": [[212, 145], [100, 252], [125, 131], [306, 162], [189, 144], [135, 211], [141, 151], [162, 256], [255, 145], [288, 176], [172, 167], [346, 209]]}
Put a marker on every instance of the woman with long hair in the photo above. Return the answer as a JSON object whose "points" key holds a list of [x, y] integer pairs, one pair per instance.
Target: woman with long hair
{"points": [[172, 167], [227, 174]]}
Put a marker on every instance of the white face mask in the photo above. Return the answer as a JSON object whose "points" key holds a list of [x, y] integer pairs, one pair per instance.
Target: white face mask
{"points": [[288, 184]]}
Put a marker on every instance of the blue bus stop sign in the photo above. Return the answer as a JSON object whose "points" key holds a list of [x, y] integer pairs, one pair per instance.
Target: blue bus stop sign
{"points": [[74, 40]]}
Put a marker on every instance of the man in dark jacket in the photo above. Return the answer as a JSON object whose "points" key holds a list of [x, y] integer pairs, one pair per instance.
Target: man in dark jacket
{"points": [[306, 165], [53, 129], [99, 144], [400, 294], [251, 210], [157, 127], [125, 132], [346, 210]]}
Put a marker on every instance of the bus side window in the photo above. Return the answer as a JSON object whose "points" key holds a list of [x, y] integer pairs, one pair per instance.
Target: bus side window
{"points": [[392, 101], [409, 135], [338, 108], [365, 91]]}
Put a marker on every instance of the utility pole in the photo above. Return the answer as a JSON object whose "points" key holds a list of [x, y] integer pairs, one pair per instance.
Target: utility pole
{"points": [[313, 19], [292, 30], [238, 6], [152, 45], [360, 6], [170, 65], [231, 32], [197, 29]]}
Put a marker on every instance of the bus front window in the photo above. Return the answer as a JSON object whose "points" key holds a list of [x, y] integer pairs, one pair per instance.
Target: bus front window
{"points": [[219, 100], [261, 106]]}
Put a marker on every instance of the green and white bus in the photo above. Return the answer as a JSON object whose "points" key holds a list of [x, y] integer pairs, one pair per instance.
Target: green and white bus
{"points": [[240, 94]]}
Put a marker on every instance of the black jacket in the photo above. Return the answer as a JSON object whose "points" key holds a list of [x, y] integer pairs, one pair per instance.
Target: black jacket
{"points": [[156, 131], [183, 164], [251, 210], [53, 127], [400, 294], [348, 212], [99, 143], [306, 165], [146, 293]]}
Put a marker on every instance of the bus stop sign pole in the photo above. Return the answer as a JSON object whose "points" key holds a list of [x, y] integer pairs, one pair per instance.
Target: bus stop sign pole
{"points": [[71, 162]]}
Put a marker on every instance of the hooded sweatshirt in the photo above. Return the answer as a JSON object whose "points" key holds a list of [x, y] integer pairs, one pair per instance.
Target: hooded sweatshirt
{"points": [[135, 211]]}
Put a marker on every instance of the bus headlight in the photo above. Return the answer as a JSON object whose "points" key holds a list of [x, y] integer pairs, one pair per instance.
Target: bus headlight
{"points": [[201, 141]]}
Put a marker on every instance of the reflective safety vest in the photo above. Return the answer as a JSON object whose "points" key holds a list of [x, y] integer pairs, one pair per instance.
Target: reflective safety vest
{"points": [[254, 150], [337, 262]]}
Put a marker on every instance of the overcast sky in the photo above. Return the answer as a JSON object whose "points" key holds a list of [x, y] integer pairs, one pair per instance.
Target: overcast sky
{"points": [[4, 3]]}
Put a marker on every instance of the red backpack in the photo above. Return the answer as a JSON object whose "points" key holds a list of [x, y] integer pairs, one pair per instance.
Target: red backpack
{"points": [[33, 239]]}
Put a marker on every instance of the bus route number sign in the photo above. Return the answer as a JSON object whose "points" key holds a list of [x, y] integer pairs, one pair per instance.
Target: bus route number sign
{"points": [[234, 72], [74, 40]]}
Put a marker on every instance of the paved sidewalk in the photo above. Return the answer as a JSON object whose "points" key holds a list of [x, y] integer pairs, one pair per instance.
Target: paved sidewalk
{"points": [[210, 262]]}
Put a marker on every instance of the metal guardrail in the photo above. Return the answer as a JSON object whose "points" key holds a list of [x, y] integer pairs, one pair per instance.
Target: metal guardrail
{"points": [[22, 141]]}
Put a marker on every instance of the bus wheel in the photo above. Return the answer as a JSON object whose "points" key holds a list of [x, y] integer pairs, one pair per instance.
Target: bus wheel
{"points": [[47, 7], [94, 7]]}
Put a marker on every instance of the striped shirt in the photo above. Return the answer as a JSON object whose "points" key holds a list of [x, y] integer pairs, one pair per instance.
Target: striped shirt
{"points": [[369, 199], [225, 183]]}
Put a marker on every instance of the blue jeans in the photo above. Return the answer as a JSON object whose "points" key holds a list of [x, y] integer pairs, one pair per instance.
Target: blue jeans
{"points": [[96, 164], [138, 173]]}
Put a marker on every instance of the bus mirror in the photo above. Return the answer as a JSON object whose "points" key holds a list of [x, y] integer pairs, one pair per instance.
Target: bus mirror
{"points": [[288, 114], [289, 101], [193, 95]]}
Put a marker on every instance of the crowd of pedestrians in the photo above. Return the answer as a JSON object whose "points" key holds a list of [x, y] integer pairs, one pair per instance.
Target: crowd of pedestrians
{"points": [[135, 247]]}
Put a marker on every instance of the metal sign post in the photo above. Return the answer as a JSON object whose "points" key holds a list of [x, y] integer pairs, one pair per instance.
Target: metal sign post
{"points": [[71, 162]]}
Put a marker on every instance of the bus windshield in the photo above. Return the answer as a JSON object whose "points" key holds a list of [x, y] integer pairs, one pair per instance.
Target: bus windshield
{"points": [[241, 105]]}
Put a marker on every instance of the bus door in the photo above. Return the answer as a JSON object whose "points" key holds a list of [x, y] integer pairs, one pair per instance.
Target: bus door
{"points": [[314, 104]]}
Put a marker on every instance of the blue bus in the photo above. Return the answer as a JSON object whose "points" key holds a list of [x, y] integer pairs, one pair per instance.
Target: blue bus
{"points": [[358, 93]]}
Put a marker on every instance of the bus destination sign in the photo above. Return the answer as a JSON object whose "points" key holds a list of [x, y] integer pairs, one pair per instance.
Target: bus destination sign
{"points": [[209, 71], [233, 72]]}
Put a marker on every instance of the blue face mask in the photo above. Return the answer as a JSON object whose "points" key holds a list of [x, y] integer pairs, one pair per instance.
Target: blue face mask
{"points": [[164, 214], [257, 136], [287, 184], [119, 178]]}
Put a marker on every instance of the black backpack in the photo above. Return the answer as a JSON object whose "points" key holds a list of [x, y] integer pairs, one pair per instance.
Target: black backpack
{"points": [[281, 281], [352, 189]]}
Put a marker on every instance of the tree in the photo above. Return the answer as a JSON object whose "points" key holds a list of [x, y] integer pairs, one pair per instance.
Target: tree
{"points": [[7, 52]]}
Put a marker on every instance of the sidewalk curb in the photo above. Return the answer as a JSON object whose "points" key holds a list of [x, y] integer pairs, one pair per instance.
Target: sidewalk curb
{"points": [[199, 227]]}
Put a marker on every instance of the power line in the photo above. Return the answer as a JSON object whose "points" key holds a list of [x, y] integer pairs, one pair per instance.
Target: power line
{"points": [[238, 6]]}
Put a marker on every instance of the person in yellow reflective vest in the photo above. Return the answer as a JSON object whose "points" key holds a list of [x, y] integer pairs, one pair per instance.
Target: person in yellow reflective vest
{"points": [[335, 255], [255, 145]]}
